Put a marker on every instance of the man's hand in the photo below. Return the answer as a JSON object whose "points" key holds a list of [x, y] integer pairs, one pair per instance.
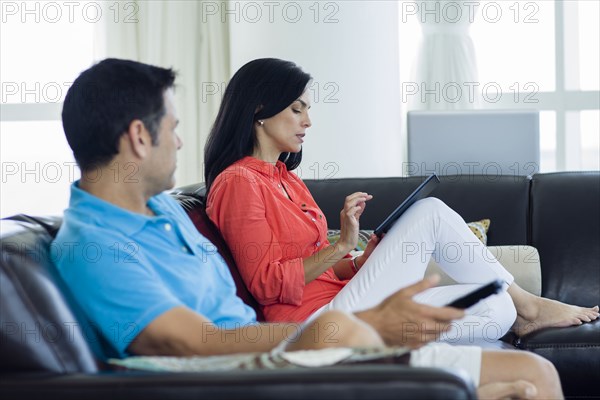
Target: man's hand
{"points": [[402, 322]]}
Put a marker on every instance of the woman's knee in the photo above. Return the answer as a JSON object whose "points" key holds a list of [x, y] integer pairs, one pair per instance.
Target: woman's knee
{"points": [[435, 206], [432, 203]]}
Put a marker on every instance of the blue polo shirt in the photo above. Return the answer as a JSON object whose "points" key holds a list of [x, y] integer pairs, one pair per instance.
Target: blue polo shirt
{"points": [[124, 269]]}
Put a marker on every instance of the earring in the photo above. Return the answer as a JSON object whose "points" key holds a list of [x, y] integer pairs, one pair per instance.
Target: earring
{"points": [[261, 122]]}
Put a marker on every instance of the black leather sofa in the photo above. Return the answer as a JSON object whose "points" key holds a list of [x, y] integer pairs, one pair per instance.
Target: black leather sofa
{"points": [[558, 213], [43, 352]]}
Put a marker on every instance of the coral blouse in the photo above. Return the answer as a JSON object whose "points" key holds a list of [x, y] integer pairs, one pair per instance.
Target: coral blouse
{"points": [[270, 235]]}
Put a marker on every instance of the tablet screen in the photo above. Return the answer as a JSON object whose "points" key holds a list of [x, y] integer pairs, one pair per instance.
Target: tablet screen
{"points": [[419, 193]]}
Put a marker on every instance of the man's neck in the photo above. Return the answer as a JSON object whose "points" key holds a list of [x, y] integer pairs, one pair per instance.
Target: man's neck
{"points": [[129, 196]]}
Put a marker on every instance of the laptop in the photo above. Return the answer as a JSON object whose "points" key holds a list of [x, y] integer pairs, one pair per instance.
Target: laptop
{"points": [[419, 193], [487, 142]]}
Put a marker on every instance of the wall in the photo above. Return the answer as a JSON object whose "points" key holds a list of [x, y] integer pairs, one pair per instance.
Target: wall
{"points": [[351, 50]]}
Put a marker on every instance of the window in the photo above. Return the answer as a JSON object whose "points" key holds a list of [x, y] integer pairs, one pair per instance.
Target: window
{"points": [[542, 55], [515, 47], [37, 167], [44, 46]]}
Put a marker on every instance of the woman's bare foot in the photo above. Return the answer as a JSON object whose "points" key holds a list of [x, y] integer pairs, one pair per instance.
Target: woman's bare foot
{"points": [[535, 313], [507, 390]]}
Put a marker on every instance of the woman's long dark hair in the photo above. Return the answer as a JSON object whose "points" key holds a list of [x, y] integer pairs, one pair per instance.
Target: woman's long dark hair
{"points": [[268, 85]]}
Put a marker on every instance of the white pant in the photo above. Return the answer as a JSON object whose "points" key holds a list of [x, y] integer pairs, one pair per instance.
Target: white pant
{"points": [[429, 228]]}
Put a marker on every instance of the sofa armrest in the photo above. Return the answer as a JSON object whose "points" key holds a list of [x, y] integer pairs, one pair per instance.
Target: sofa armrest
{"points": [[523, 262], [347, 382]]}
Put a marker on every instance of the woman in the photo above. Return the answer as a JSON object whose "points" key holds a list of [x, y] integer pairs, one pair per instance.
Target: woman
{"points": [[277, 232]]}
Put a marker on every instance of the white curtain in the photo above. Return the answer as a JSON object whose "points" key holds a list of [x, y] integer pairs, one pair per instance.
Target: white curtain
{"points": [[446, 67], [174, 34]]}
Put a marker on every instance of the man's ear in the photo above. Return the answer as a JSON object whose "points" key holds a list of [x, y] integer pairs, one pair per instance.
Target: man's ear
{"points": [[139, 138]]}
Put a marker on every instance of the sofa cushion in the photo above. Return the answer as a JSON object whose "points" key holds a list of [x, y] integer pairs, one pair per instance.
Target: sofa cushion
{"points": [[333, 235], [39, 331], [523, 262], [268, 360], [565, 221], [480, 229]]}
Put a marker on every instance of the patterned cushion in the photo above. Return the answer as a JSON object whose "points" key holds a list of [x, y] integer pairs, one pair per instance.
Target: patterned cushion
{"points": [[272, 360], [479, 228], [333, 235]]}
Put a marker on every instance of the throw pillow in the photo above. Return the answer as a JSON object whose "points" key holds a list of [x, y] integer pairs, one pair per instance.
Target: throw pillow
{"points": [[271, 360], [479, 229], [333, 235]]}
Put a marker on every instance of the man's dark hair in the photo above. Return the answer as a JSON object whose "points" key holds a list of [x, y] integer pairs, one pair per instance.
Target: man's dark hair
{"points": [[105, 99], [268, 85]]}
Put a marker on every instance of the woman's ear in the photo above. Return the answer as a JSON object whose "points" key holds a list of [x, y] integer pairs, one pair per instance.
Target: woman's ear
{"points": [[256, 111]]}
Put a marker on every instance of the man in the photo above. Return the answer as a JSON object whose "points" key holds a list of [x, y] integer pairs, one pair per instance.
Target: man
{"points": [[150, 284]]}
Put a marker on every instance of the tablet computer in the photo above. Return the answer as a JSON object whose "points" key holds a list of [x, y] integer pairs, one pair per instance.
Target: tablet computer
{"points": [[421, 192]]}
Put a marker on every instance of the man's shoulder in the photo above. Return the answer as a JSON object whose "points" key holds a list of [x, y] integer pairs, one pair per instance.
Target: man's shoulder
{"points": [[83, 223], [167, 201], [171, 207], [83, 236]]}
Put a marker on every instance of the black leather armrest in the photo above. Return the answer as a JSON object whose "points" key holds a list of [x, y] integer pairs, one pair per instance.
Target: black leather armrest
{"points": [[351, 382], [574, 351]]}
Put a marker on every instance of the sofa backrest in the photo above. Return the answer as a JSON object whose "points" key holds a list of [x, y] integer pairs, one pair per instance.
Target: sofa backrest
{"points": [[193, 203], [39, 332], [474, 197], [42, 329], [565, 221]]}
